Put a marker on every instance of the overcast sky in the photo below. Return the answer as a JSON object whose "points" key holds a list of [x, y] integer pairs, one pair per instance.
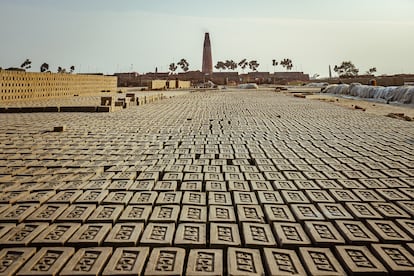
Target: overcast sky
{"points": [[118, 36]]}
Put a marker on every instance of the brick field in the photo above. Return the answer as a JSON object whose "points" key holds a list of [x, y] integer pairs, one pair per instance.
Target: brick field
{"points": [[213, 183]]}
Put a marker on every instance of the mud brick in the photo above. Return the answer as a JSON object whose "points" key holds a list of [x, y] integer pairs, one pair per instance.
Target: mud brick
{"points": [[290, 235], [188, 168], [18, 212], [125, 175], [285, 167], [248, 168], [166, 261], [87, 261], [250, 213], [92, 196], [362, 210], [36, 197], [282, 262], [278, 213], [190, 234], [244, 261], [47, 212], [211, 168], [407, 225], [144, 198], [166, 186], [344, 195], [390, 210], [90, 235], [333, 174], [394, 183], [216, 186], [219, 198], [408, 206], [205, 262], [174, 168], [294, 197], [142, 185], [118, 197], [194, 198], [97, 184], [269, 197], [350, 184], [148, 176], [368, 195], [388, 231], [320, 261], [173, 176], [359, 260], [77, 213], [306, 212], [284, 185], [274, 176], [223, 235], [328, 184], [245, 198], [56, 234], [124, 234], [48, 261], [5, 228], [195, 186], [258, 235], [218, 162], [158, 234], [120, 185], [334, 211], [231, 169], [169, 198], [372, 183], [254, 176], [355, 232], [72, 185], [127, 261], [408, 180], [261, 185], [165, 213], [22, 234], [393, 194], [323, 233], [134, 213], [239, 185], [196, 177], [11, 259], [293, 175], [12, 197], [319, 196], [219, 213], [395, 257], [68, 196], [208, 176], [394, 173], [238, 162], [306, 184], [193, 213], [106, 213]]}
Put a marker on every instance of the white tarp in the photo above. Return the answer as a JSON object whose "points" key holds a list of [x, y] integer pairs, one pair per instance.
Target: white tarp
{"points": [[399, 94]]}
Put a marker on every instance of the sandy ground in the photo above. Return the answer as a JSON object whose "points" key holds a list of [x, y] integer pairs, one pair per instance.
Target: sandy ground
{"points": [[369, 106]]}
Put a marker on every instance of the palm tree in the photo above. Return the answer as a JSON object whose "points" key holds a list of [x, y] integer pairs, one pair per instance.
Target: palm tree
{"points": [[274, 63], [253, 65], [220, 65], [183, 64], [243, 64], [72, 68], [61, 70], [172, 67], [26, 64], [44, 67], [287, 63]]}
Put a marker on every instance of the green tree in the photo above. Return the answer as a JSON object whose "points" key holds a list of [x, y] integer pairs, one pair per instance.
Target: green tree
{"points": [[220, 65], [72, 69], [274, 64], [243, 64], [346, 69], [253, 65], [172, 68], [371, 71]]}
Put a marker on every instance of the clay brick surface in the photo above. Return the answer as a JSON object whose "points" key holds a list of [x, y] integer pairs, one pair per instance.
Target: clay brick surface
{"points": [[166, 261], [127, 261], [87, 261]]}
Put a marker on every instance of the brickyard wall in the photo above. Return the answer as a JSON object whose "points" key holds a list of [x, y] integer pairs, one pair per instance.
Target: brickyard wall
{"points": [[23, 86]]}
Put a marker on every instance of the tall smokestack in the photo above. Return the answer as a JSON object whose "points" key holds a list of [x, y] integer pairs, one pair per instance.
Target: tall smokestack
{"points": [[207, 59]]}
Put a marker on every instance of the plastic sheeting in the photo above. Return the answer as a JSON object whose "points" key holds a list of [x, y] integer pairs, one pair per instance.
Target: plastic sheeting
{"points": [[399, 94], [248, 86]]}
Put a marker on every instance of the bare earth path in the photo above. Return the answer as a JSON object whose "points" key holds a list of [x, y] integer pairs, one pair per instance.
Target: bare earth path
{"points": [[236, 182]]}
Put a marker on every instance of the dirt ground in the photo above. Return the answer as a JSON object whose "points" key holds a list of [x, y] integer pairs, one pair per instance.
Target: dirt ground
{"points": [[366, 106]]}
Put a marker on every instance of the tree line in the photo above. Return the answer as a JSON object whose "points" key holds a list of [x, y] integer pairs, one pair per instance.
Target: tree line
{"points": [[27, 64]]}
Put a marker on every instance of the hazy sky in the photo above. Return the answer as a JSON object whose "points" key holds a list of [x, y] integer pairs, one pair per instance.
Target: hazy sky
{"points": [[116, 36]]}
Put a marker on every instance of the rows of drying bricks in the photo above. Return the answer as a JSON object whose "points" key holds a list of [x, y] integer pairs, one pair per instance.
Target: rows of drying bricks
{"points": [[115, 226], [205, 204]]}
